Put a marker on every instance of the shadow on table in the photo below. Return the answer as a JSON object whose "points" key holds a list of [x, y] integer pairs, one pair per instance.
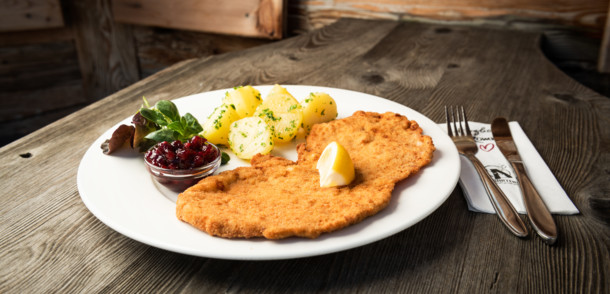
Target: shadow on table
{"points": [[420, 251]]}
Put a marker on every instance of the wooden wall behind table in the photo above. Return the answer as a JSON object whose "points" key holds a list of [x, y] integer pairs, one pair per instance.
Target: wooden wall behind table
{"points": [[158, 48], [248, 18], [78, 54], [167, 32], [59, 55], [307, 14], [18, 15], [39, 73]]}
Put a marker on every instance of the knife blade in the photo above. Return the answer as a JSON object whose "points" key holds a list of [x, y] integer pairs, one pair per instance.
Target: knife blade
{"points": [[537, 212]]}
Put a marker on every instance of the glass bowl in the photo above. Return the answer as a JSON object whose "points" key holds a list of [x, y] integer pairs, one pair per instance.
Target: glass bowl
{"points": [[178, 180]]}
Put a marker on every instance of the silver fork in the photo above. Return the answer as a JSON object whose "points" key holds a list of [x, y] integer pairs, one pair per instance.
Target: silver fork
{"points": [[464, 141]]}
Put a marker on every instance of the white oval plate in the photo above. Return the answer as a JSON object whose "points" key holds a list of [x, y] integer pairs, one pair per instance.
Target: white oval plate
{"points": [[118, 190]]}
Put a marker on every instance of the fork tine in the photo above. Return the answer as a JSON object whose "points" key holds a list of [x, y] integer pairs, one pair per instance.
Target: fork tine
{"points": [[455, 128], [466, 122], [448, 122], [460, 120]]}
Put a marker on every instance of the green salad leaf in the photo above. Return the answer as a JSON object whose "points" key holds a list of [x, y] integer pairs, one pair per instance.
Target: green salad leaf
{"points": [[224, 158], [172, 126], [156, 124]]}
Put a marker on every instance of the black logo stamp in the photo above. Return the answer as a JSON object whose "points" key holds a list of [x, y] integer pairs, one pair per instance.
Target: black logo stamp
{"points": [[501, 174]]}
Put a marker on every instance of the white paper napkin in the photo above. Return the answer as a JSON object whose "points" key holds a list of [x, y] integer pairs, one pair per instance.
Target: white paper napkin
{"points": [[502, 172]]}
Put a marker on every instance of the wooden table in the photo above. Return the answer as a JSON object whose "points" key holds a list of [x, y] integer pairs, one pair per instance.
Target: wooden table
{"points": [[52, 243]]}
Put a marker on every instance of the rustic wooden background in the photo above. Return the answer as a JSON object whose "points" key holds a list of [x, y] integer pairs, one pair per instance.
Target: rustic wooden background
{"points": [[51, 242], [57, 56]]}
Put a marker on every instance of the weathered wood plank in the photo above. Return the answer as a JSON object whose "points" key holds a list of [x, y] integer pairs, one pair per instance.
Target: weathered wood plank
{"points": [[36, 36], [38, 66], [39, 83], [251, 18], [603, 63], [106, 49], [314, 14], [160, 48], [28, 15], [51, 243], [19, 125], [26, 104]]}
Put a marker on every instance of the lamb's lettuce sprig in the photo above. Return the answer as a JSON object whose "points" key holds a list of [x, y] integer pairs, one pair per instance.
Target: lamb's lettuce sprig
{"points": [[172, 126]]}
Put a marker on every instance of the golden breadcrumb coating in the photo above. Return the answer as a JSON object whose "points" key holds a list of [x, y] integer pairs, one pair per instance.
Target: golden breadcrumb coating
{"points": [[277, 198]]}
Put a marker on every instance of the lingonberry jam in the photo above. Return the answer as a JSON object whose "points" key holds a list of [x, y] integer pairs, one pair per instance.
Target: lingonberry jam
{"points": [[179, 166], [194, 153]]}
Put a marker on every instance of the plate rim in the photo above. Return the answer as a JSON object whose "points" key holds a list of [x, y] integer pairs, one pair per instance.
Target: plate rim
{"points": [[102, 215]]}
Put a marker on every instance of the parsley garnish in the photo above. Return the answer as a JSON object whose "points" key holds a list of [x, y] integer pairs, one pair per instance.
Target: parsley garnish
{"points": [[269, 114]]}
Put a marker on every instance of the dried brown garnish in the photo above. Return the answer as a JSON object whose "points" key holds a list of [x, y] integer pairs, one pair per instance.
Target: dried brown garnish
{"points": [[143, 127], [120, 137]]}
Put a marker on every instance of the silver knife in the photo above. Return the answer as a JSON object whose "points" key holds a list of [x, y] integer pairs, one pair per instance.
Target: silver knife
{"points": [[537, 212]]}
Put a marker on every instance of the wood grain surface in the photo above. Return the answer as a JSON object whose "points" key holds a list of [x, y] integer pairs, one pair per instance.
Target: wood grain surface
{"points": [[39, 83], [305, 14], [159, 48], [249, 18], [30, 15], [52, 243], [107, 53]]}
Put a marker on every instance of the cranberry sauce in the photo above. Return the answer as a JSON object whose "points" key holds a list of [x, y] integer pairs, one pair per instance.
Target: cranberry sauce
{"points": [[195, 153]]}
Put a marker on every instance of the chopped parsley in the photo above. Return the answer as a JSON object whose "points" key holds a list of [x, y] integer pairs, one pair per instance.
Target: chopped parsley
{"points": [[217, 122], [269, 114]]}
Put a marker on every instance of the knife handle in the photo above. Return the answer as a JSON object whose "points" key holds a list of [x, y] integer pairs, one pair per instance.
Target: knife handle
{"points": [[537, 212], [505, 210]]}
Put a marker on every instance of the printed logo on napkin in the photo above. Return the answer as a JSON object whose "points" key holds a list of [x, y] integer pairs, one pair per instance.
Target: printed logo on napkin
{"points": [[502, 172], [496, 165]]}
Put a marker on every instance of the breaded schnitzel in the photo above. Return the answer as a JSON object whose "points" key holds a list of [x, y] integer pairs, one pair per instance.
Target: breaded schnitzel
{"points": [[382, 146], [276, 198]]}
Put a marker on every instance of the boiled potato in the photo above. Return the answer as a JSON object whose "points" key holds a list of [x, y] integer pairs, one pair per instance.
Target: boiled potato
{"points": [[277, 89], [245, 99], [216, 127], [317, 108], [249, 136], [282, 113]]}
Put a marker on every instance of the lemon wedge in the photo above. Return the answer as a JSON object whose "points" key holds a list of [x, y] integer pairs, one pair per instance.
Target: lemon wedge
{"points": [[335, 166]]}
